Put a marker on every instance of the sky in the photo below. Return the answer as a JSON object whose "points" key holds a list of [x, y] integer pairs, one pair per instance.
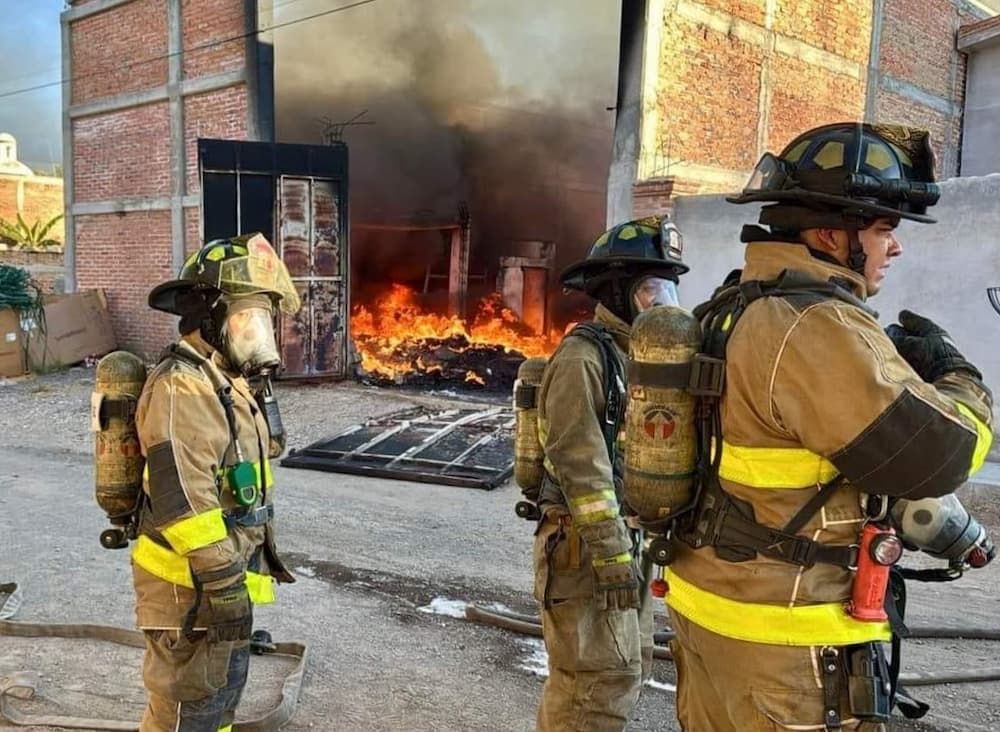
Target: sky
{"points": [[31, 54], [30, 40]]}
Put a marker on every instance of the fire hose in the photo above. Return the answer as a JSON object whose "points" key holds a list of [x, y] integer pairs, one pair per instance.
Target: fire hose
{"points": [[22, 685], [532, 625]]}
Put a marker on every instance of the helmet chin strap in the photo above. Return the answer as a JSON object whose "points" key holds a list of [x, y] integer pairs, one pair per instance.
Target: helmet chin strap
{"points": [[856, 256]]}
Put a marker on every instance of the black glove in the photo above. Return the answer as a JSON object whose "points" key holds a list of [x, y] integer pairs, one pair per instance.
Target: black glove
{"points": [[616, 584], [230, 614], [927, 347]]}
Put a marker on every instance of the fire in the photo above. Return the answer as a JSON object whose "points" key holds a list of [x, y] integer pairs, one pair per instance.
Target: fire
{"points": [[395, 338]]}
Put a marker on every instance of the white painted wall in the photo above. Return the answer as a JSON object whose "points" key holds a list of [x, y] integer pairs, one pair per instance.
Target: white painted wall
{"points": [[943, 272]]}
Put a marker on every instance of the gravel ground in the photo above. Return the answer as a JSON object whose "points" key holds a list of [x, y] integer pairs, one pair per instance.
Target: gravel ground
{"points": [[369, 554]]}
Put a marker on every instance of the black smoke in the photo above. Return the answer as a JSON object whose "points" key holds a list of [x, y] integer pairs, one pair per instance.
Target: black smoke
{"points": [[502, 106]]}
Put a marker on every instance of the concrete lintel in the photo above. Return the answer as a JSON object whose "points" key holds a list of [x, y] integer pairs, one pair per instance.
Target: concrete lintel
{"points": [[119, 102], [69, 239], [916, 94], [716, 176], [213, 82], [980, 35], [123, 205], [91, 8], [817, 57], [187, 87], [762, 37], [190, 200]]}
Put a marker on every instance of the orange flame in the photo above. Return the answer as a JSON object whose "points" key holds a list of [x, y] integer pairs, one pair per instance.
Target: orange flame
{"points": [[387, 332]]}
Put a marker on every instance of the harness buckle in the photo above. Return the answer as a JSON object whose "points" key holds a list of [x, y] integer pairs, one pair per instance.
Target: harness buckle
{"points": [[708, 376]]}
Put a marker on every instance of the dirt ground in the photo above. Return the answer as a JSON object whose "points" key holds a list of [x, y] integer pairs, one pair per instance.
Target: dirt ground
{"points": [[371, 555]]}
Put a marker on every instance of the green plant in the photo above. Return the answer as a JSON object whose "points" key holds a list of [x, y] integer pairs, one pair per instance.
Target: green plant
{"points": [[34, 236]]}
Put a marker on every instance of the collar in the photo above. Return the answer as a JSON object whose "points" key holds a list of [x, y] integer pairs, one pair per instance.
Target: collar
{"points": [[766, 260], [620, 330], [202, 347]]}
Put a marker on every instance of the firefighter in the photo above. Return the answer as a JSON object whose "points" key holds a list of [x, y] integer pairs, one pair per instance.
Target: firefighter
{"points": [[587, 576], [824, 418], [205, 555]]}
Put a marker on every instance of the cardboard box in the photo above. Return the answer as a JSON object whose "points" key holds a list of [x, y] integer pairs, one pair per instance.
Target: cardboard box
{"points": [[12, 361], [76, 326]]}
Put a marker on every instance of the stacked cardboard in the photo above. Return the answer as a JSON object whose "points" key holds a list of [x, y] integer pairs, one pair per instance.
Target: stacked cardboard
{"points": [[75, 327]]}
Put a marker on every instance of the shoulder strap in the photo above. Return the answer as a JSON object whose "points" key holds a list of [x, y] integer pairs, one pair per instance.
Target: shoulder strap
{"points": [[614, 380]]}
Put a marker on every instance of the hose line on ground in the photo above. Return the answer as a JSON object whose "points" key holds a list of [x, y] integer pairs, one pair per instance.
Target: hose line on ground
{"points": [[532, 625]]}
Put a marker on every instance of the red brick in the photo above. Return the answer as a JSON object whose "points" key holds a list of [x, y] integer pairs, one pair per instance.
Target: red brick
{"points": [[120, 50], [104, 243], [805, 96], [220, 114], [122, 154], [206, 23], [842, 28], [707, 99]]}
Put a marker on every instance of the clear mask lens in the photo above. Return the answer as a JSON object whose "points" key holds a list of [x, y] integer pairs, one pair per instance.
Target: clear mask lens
{"points": [[653, 291], [248, 341]]}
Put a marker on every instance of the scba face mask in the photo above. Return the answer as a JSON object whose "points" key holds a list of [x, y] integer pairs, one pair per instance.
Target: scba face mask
{"points": [[248, 341], [652, 291]]}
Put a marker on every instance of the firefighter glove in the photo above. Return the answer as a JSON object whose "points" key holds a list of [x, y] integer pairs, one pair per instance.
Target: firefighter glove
{"points": [[928, 348], [230, 614], [616, 582]]}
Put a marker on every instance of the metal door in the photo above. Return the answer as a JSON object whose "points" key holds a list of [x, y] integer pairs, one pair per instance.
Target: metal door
{"points": [[313, 342], [297, 196]]}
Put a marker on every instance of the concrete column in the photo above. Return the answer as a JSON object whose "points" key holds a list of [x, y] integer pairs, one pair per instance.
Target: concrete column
{"points": [[628, 112], [178, 154]]}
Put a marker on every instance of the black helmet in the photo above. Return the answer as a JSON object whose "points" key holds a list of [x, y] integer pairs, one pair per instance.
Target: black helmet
{"points": [[242, 265], [849, 171], [645, 246]]}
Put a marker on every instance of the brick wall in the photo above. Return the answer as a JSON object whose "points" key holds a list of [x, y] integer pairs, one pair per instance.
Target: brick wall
{"points": [[736, 78], [119, 51], [36, 198], [134, 162], [922, 74], [142, 239], [122, 154]]}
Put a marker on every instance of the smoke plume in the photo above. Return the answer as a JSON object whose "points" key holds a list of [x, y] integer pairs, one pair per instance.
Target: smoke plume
{"points": [[500, 105]]}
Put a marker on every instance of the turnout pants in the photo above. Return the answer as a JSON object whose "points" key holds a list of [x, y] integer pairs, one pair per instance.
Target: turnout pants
{"points": [[596, 657], [192, 686], [728, 685]]}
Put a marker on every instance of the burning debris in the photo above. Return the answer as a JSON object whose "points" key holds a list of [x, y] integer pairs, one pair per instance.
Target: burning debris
{"points": [[398, 342]]}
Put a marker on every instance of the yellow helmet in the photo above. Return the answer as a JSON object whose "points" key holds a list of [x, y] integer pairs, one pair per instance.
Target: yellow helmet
{"points": [[241, 265]]}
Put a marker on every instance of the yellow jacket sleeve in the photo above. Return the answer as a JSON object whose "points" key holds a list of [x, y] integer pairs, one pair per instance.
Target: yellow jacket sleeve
{"points": [[184, 435], [843, 391]]}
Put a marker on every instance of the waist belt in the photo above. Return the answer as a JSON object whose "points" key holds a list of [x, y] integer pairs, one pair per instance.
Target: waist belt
{"points": [[723, 523], [247, 517]]}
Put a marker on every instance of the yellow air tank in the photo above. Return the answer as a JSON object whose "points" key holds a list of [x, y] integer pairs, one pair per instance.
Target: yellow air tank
{"points": [[118, 461], [529, 458], [660, 439]]}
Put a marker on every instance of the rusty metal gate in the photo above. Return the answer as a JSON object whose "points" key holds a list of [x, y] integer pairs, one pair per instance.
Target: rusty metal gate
{"points": [[296, 195]]}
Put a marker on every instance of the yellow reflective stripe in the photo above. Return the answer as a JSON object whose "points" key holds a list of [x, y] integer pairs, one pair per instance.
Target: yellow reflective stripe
{"points": [[984, 438], [193, 533], [161, 562], [623, 558], [593, 507], [804, 625], [268, 475], [227, 728], [260, 587], [774, 467]]}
